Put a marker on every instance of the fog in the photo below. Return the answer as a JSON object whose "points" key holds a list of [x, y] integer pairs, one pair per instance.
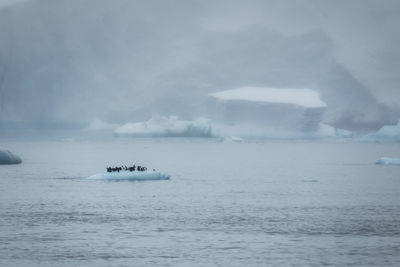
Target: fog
{"points": [[68, 62]]}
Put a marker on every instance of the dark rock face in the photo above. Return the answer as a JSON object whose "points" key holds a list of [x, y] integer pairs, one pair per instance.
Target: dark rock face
{"points": [[6, 157]]}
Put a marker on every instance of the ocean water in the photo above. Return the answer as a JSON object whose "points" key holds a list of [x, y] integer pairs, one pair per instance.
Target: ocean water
{"points": [[227, 204]]}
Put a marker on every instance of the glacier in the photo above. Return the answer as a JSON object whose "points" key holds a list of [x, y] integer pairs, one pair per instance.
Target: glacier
{"points": [[386, 134], [388, 161], [131, 176], [7, 157], [170, 126]]}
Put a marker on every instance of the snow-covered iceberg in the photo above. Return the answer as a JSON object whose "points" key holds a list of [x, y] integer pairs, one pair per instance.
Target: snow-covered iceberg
{"points": [[132, 176], [388, 161], [6, 157], [166, 127], [275, 109], [386, 134]]}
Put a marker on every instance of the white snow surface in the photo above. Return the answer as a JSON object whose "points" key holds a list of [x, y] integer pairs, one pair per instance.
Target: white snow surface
{"points": [[7, 157], [166, 127], [388, 161], [386, 134], [303, 97], [131, 176]]}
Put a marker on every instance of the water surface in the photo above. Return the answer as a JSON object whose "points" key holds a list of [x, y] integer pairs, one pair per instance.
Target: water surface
{"points": [[227, 204]]}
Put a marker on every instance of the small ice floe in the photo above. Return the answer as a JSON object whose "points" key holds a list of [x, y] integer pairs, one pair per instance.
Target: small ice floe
{"points": [[388, 161], [236, 139], [130, 176], [7, 157]]}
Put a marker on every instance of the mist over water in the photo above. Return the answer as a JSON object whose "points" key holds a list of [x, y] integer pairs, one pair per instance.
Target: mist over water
{"points": [[66, 62]]}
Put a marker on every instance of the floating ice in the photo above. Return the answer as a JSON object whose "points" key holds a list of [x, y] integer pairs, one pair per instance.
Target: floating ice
{"points": [[6, 157], [386, 134], [132, 176], [388, 161], [166, 127]]}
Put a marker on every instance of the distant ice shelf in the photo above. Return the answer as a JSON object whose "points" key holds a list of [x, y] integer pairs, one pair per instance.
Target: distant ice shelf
{"points": [[7, 157], [131, 176], [388, 161]]}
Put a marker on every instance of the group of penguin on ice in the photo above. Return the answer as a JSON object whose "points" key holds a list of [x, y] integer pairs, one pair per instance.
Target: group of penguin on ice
{"points": [[125, 168]]}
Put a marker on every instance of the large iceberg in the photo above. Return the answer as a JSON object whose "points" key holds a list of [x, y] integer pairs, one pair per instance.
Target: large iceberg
{"points": [[6, 157], [386, 134], [166, 127], [131, 176], [268, 112]]}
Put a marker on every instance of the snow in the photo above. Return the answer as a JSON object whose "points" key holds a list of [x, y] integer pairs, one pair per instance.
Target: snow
{"points": [[388, 161], [131, 176], [303, 97], [170, 126], [6, 157], [386, 134]]}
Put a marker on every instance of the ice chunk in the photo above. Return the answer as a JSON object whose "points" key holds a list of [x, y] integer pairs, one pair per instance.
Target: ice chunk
{"points": [[132, 176], [386, 134], [166, 127], [388, 161], [6, 157], [236, 139]]}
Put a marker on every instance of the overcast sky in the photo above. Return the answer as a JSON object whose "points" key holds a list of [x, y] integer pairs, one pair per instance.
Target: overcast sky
{"points": [[74, 60]]}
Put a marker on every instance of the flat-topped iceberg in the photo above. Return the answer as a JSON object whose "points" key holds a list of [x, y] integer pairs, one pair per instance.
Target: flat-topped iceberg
{"points": [[131, 176], [386, 134], [289, 111], [166, 127], [388, 161], [6, 157]]}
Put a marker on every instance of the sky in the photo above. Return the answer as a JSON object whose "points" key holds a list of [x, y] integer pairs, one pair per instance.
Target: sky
{"points": [[71, 61]]}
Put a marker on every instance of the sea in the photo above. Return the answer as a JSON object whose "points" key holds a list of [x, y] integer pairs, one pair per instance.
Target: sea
{"points": [[250, 203]]}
